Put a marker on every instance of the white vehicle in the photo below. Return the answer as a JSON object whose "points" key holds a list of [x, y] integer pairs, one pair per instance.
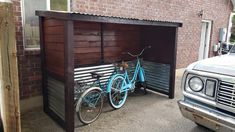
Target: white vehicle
{"points": [[209, 92]]}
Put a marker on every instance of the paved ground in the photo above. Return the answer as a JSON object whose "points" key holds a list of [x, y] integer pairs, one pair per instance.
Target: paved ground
{"points": [[149, 113]]}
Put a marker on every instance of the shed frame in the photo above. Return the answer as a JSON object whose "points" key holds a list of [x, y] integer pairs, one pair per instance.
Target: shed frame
{"points": [[68, 19]]}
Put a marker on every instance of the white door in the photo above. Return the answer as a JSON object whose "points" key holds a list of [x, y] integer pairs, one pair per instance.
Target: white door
{"points": [[205, 40]]}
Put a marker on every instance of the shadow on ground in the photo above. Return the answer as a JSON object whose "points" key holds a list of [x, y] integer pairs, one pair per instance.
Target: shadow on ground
{"points": [[150, 113]]}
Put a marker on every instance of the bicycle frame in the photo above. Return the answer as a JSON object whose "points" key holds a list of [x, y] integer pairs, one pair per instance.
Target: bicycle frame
{"points": [[92, 101], [138, 72], [130, 83]]}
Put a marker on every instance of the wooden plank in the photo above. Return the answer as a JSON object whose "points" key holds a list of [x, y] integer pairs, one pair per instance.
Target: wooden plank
{"points": [[58, 47], [53, 39], [102, 42], [87, 44], [87, 25], [9, 85], [173, 64], [124, 27], [52, 22], [55, 30], [88, 31], [109, 40], [43, 65], [87, 50], [69, 76], [82, 38]]}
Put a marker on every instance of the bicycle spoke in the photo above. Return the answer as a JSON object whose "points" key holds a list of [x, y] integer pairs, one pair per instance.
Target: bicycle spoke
{"points": [[90, 107]]}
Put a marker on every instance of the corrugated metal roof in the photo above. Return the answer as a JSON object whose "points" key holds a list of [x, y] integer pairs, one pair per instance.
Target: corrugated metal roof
{"points": [[122, 17], [82, 16]]}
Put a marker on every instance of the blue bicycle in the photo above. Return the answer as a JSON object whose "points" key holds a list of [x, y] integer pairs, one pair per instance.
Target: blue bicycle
{"points": [[89, 99], [120, 83]]}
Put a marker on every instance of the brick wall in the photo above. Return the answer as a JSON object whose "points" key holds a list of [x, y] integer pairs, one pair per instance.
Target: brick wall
{"points": [[166, 10], [28, 61]]}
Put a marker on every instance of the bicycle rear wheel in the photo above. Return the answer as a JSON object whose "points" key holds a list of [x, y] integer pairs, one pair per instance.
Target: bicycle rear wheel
{"points": [[117, 98], [89, 106]]}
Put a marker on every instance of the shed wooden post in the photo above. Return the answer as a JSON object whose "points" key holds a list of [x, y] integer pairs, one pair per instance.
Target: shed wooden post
{"points": [[69, 76], [173, 66], [9, 81]]}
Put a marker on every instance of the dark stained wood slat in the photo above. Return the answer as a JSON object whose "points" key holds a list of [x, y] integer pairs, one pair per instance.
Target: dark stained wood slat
{"points": [[54, 39], [84, 38], [86, 25], [87, 32], [86, 44], [53, 22], [58, 30], [87, 50], [69, 76], [55, 47]]}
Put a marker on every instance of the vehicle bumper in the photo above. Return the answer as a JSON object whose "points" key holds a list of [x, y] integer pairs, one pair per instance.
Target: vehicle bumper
{"points": [[216, 121]]}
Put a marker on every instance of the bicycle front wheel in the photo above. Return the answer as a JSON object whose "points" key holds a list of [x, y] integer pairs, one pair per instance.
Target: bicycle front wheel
{"points": [[89, 106], [117, 97]]}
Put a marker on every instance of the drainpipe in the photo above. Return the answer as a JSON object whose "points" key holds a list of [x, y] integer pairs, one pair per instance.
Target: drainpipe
{"points": [[233, 2]]}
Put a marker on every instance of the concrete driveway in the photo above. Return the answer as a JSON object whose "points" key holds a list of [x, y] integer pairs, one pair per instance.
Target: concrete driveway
{"points": [[141, 113]]}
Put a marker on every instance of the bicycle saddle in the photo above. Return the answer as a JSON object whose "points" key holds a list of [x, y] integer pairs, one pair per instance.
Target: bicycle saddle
{"points": [[123, 64], [96, 75]]}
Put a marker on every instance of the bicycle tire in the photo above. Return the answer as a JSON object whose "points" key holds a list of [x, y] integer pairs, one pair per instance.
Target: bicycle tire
{"points": [[117, 105], [82, 104]]}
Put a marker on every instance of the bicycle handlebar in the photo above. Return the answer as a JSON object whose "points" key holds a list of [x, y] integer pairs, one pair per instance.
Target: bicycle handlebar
{"points": [[148, 47]]}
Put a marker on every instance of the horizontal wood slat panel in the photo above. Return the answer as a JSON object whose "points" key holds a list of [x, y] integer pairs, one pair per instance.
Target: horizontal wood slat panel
{"points": [[56, 30], [87, 50], [52, 22], [82, 38], [116, 39], [119, 39], [87, 43], [86, 25], [54, 46], [54, 39]]}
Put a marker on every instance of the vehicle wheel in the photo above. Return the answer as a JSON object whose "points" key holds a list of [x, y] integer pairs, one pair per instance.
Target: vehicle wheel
{"points": [[89, 105], [116, 98]]}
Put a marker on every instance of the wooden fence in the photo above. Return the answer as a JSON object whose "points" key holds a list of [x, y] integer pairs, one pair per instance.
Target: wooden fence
{"points": [[9, 83]]}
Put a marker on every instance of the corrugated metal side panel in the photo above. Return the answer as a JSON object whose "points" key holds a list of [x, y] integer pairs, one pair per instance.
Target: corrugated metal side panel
{"points": [[157, 75], [56, 96], [82, 74]]}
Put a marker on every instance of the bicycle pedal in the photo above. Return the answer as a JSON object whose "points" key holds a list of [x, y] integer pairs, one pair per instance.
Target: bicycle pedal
{"points": [[132, 90]]}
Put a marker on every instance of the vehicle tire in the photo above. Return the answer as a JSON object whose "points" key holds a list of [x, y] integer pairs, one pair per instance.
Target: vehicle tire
{"points": [[116, 98], [89, 105]]}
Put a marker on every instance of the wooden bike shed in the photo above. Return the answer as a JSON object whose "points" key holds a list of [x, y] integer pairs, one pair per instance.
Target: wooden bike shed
{"points": [[72, 40]]}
